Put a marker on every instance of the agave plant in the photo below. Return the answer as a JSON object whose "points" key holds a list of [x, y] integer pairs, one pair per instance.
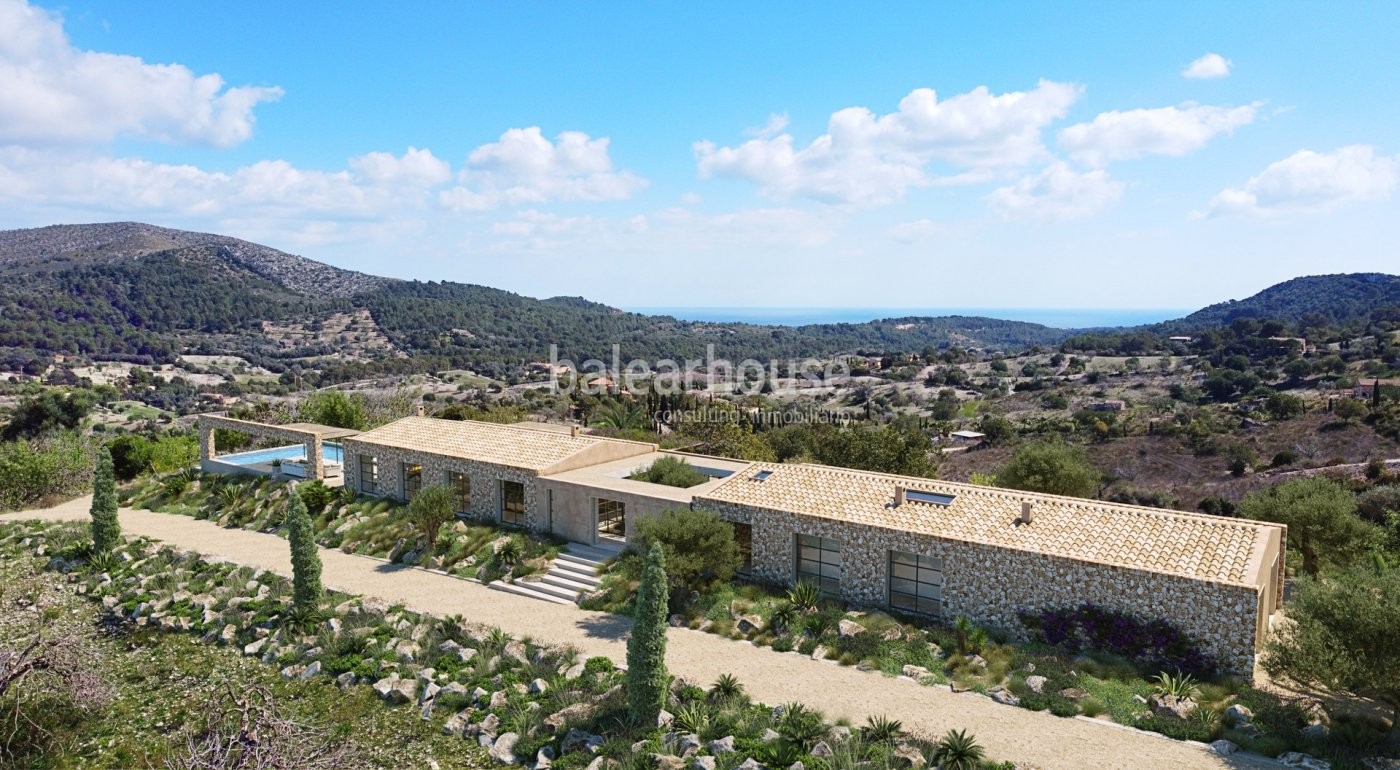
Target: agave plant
{"points": [[726, 687], [784, 616], [509, 553], [693, 717], [801, 726], [882, 729], [805, 595], [1178, 685], [781, 754], [958, 751]]}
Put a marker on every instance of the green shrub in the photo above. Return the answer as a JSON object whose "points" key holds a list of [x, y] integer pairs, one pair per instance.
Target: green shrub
{"points": [[131, 456], [671, 471], [106, 530], [306, 561], [699, 547], [598, 664], [52, 465], [646, 646]]}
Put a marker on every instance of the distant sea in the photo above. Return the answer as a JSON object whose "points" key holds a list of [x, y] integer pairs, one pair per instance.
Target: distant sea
{"points": [[1060, 318]]}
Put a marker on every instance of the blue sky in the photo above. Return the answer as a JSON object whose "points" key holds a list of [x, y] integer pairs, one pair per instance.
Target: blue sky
{"points": [[919, 155]]}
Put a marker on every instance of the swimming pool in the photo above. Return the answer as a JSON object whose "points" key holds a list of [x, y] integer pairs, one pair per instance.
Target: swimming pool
{"points": [[330, 453]]}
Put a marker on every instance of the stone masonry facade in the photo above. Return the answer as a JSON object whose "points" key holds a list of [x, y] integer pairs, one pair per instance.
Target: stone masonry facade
{"points": [[991, 585], [485, 479]]}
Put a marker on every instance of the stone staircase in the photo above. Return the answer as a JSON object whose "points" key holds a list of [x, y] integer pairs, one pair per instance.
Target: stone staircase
{"points": [[573, 573]]}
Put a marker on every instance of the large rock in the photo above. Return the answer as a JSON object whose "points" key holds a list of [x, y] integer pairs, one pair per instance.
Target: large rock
{"points": [[539, 687], [577, 739], [556, 721], [450, 647], [1303, 761], [395, 690], [515, 649], [1171, 706], [977, 660], [749, 764], [312, 669], [228, 634], [822, 750], [702, 763], [664, 718], [1002, 695], [1036, 682], [457, 723], [749, 624], [503, 749], [849, 628], [917, 673], [254, 647], [720, 746], [667, 762], [906, 756], [489, 724], [1223, 747], [819, 653], [1237, 713]]}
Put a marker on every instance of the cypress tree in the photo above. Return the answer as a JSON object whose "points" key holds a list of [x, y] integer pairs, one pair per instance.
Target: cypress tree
{"points": [[106, 530], [306, 562], [646, 648]]}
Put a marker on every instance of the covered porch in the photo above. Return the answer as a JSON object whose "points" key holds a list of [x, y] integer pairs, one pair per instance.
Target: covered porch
{"points": [[310, 451]]}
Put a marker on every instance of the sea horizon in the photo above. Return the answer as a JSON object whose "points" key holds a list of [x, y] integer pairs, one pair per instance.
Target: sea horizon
{"points": [[1059, 318]]}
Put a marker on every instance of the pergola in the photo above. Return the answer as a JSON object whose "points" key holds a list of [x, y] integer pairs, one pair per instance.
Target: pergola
{"points": [[309, 434]]}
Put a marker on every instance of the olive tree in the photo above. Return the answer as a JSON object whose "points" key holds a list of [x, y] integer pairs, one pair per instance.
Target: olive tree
{"points": [[1321, 518], [1050, 467]]}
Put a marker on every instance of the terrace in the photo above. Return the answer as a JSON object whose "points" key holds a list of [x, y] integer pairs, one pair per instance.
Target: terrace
{"points": [[312, 453]]}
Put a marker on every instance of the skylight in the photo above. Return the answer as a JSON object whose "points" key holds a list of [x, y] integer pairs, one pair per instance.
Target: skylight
{"points": [[761, 475], [933, 498]]}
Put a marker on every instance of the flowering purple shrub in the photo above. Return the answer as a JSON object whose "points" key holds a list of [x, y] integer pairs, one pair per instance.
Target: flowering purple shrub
{"points": [[1152, 645]]}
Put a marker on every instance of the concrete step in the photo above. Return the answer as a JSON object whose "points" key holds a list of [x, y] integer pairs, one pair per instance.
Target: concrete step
{"points": [[592, 552], [583, 562], [521, 590], [566, 582], [586, 580]]}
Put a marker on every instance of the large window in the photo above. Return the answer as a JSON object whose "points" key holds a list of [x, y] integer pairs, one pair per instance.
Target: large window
{"points": [[369, 475], [743, 537], [461, 485], [513, 503], [916, 583], [819, 562], [612, 518], [412, 480]]}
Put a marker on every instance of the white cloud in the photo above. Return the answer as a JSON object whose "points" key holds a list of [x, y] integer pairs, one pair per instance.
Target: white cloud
{"points": [[777, 123], [52, 93], [524, 167], [1056, 193], [1212, 65], [1161, 131], [415, 167], [866, 158], [1309, 182]]}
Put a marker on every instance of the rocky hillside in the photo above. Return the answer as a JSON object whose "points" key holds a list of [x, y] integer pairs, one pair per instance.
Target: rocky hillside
{"points": [[61, 247]]}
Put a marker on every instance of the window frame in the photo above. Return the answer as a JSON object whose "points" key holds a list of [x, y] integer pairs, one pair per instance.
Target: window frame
{"points": [[613, 525], [410, 490], [368, 483], [509, 514], [743, 537], [461, 485], [826, 569], [914, 583]]}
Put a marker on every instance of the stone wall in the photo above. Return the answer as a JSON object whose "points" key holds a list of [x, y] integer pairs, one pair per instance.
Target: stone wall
{"points": [[991, 585], [209, 423], [485, 479]]}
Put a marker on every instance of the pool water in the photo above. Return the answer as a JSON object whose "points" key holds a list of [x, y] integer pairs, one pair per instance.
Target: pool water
{"points": [[330, 453]]}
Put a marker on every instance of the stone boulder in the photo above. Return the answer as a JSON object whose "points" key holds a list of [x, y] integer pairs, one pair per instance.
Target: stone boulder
{"points": [[749, 624], [1036, 682], [1223, 747], [1303, 761], [556, 721], [1237, 713], [503, 749], [577, 739], [906, 756], [395, 690], [667, 762], [822, 750], [1171, 706], [848, 628], [457, 723], [702, 763], [721, 746], [914, 672], [1003, 695]]}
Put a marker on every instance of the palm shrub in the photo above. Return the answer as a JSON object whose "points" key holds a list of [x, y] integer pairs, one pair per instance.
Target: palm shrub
{"points": [[882, 729], [646, 647], [800, 726], [429, 510], [783, 617], [726, 687], [306, 562], [805, 595], [106, 530], [958, 751]]}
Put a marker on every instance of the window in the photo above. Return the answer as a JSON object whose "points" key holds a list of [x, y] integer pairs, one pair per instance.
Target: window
{"points": [[612, 518], [369, 475], [933, 498], [916, 583], [761, 475], [513, 503], [819, 562], [743, 536], [461, 485], [412, 480]]}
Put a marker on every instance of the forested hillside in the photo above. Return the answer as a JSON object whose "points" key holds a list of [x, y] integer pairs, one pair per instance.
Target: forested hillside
{"points": [[1310, 301]]}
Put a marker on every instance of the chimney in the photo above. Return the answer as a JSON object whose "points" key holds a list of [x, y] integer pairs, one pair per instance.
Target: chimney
{"points": [[899, 496], [419, 410], [1027, 512], [573, 431]]}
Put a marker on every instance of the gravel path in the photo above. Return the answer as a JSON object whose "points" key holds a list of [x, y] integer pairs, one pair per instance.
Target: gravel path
{"points": [[1036, 739]]}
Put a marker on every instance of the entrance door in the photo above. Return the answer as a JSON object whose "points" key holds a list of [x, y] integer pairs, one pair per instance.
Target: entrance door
{"points": [[612, 519]]}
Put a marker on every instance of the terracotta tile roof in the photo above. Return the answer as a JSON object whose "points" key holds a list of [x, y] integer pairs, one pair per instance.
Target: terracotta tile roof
{"points": [[486, 442], [1151, 539]]}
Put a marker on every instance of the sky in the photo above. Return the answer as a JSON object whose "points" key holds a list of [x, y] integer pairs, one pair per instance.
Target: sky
{"points": [[997, 154]]}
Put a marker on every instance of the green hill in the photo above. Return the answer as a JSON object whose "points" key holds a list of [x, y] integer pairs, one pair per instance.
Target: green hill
{"points": [[1315, 300]]}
